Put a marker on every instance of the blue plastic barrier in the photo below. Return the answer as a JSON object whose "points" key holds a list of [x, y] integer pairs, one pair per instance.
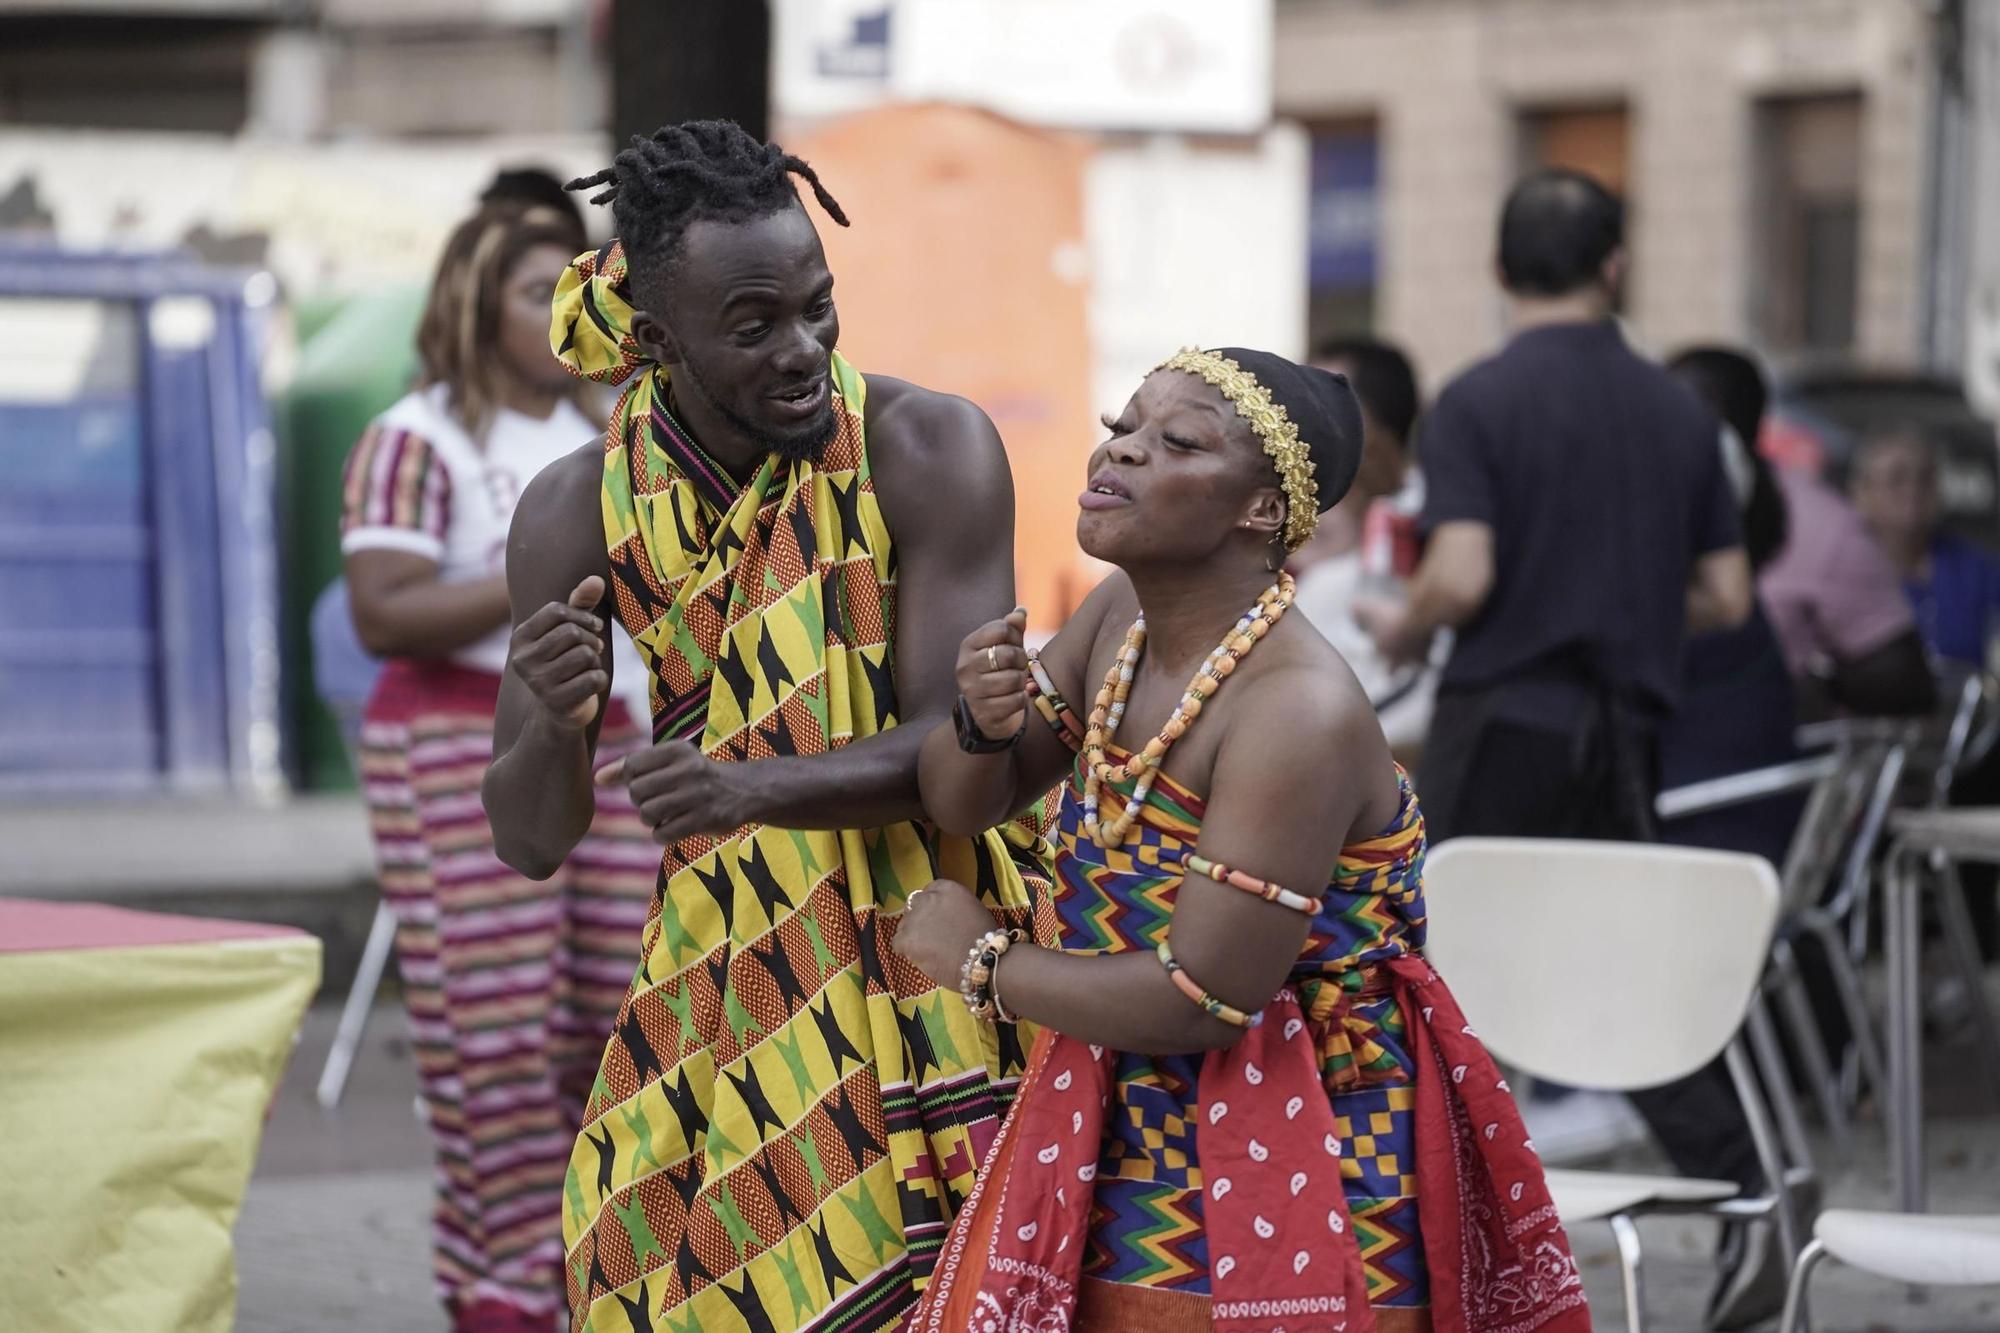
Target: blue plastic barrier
{"points": [[138, 585]]}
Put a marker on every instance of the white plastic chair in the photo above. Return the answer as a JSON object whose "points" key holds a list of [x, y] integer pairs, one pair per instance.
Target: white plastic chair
{"points": [[1925, 1250], [1614, 966]]}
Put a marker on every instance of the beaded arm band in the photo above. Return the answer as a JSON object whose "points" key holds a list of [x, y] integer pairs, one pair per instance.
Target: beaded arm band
{"points": [[1048, 700], [1236, 879], [1208, 1003]]}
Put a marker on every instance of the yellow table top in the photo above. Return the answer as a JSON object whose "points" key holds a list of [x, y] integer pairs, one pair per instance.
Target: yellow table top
{"points": [[138, 1054]]}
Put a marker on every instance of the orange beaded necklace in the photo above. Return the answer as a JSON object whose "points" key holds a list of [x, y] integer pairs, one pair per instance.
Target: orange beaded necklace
{"points": [[1144, 765]]}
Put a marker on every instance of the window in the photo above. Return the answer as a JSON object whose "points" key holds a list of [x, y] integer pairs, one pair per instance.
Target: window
{"points": [[1808, 222], [1595, 140], [1342, 229], [125, 73]]}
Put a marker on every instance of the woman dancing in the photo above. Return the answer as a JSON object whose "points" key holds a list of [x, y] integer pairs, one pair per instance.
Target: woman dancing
{"points": [[1254, 1106]]}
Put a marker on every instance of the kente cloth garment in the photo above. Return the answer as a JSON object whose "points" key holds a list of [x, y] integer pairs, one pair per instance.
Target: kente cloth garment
{"points": [[511, 985], [1354, 1162], [789, 1114]]}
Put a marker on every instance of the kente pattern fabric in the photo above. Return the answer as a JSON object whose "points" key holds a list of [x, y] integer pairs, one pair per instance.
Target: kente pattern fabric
{"points": [[393, 479], [789, 1114], [511, 985], [1214, 1176]]}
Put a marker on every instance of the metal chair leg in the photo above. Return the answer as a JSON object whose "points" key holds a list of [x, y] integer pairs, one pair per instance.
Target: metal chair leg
{"points": [[1958, 935], [354, 1014], [1903, 944], [1796, 1314], [1783, 1102], [1629, 1259], [1795, 1009], [1860, 1023], [1769, 1154]]}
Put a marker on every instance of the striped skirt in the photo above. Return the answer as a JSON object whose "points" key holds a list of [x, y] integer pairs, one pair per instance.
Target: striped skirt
{"points": [[511, 985]]}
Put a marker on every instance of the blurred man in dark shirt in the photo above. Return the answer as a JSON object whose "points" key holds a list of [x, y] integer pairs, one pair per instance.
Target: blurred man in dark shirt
{"points": [[1579, 528]]}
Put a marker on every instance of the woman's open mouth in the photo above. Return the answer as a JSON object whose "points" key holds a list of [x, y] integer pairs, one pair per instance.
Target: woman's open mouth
{"points": [[1105, 492]]}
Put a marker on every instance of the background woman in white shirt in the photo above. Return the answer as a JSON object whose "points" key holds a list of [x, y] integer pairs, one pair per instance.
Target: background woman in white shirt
{"points": [[512, 985]]}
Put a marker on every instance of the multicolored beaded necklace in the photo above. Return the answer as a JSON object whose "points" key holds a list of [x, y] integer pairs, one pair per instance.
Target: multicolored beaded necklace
{"points": [[1144, 765]]}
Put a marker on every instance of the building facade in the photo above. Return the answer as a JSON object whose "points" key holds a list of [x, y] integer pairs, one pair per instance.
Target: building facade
{"points": [[304, 68], [1777, 157]]}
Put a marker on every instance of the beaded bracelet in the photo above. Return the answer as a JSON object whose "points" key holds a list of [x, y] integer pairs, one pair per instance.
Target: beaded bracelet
{"points": [[1000, 1010], [1236, 879], [1189, 987], [975, 978], [1055, 710]]}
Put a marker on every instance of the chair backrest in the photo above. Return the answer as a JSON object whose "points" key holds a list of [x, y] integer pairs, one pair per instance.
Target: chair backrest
{"points": [[1602, 965], [1941, 743], [1984, 730]]}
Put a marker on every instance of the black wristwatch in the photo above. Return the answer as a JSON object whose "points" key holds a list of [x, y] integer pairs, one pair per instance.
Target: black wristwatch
{"points": [[972, 740]]}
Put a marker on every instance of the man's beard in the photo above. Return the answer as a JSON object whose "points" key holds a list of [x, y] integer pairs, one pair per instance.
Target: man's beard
{"points": [[803, 444]]}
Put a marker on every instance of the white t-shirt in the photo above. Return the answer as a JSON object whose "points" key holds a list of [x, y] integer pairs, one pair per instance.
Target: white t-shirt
{"points": [[417, 482], [1403, 698]]}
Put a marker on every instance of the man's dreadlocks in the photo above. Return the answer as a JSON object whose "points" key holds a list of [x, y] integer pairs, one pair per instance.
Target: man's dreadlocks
{"points": [[698, 169]]}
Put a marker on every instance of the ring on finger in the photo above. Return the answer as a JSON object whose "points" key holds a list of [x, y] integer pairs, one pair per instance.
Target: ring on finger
{"points": [[992, 659]]}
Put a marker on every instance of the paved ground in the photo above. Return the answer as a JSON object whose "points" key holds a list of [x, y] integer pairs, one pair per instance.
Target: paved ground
{"points": [[333, 1240]]}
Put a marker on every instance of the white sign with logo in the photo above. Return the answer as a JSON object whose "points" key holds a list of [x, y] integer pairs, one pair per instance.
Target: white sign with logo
{"points": [[830, 56], [1189, 65]]}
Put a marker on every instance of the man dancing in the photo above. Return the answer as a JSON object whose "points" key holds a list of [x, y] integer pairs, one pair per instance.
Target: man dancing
{"points": [[788, 1113]]}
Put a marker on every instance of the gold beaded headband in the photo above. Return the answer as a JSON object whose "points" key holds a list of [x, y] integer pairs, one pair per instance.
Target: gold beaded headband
{"points": [[1272, 425]]}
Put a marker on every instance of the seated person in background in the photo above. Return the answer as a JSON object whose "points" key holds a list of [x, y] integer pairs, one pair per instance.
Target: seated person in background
{"points": [[1953, 587], [1847, 629], [1332, 572]]}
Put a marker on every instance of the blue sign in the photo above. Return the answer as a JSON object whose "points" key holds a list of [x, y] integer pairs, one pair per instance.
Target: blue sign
{"points": [[1341, 228]]}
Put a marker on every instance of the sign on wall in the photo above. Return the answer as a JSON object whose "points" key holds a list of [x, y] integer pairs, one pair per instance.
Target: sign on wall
{"points": [[1342, 222], [830, 56], [1200, 66]]}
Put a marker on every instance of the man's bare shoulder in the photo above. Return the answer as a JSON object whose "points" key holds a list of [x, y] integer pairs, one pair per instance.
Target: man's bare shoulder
{"points": [[917, 426], [561, 502], [934, 456]]}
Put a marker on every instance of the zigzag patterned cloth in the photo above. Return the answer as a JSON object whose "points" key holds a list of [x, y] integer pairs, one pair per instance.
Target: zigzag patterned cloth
{"points": [[788, 1114], [1148, 1228], [1274, 1183]]}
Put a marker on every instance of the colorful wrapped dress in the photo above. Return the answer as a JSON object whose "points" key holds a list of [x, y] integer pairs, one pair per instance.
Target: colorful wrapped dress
{"points": [[1353, 1162]]}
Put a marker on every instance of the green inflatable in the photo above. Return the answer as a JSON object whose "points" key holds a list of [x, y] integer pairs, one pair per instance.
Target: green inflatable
{"points": [[357, 356]]}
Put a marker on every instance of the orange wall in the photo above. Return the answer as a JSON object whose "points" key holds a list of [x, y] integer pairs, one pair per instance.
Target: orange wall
{"points": [[952, 276]]}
